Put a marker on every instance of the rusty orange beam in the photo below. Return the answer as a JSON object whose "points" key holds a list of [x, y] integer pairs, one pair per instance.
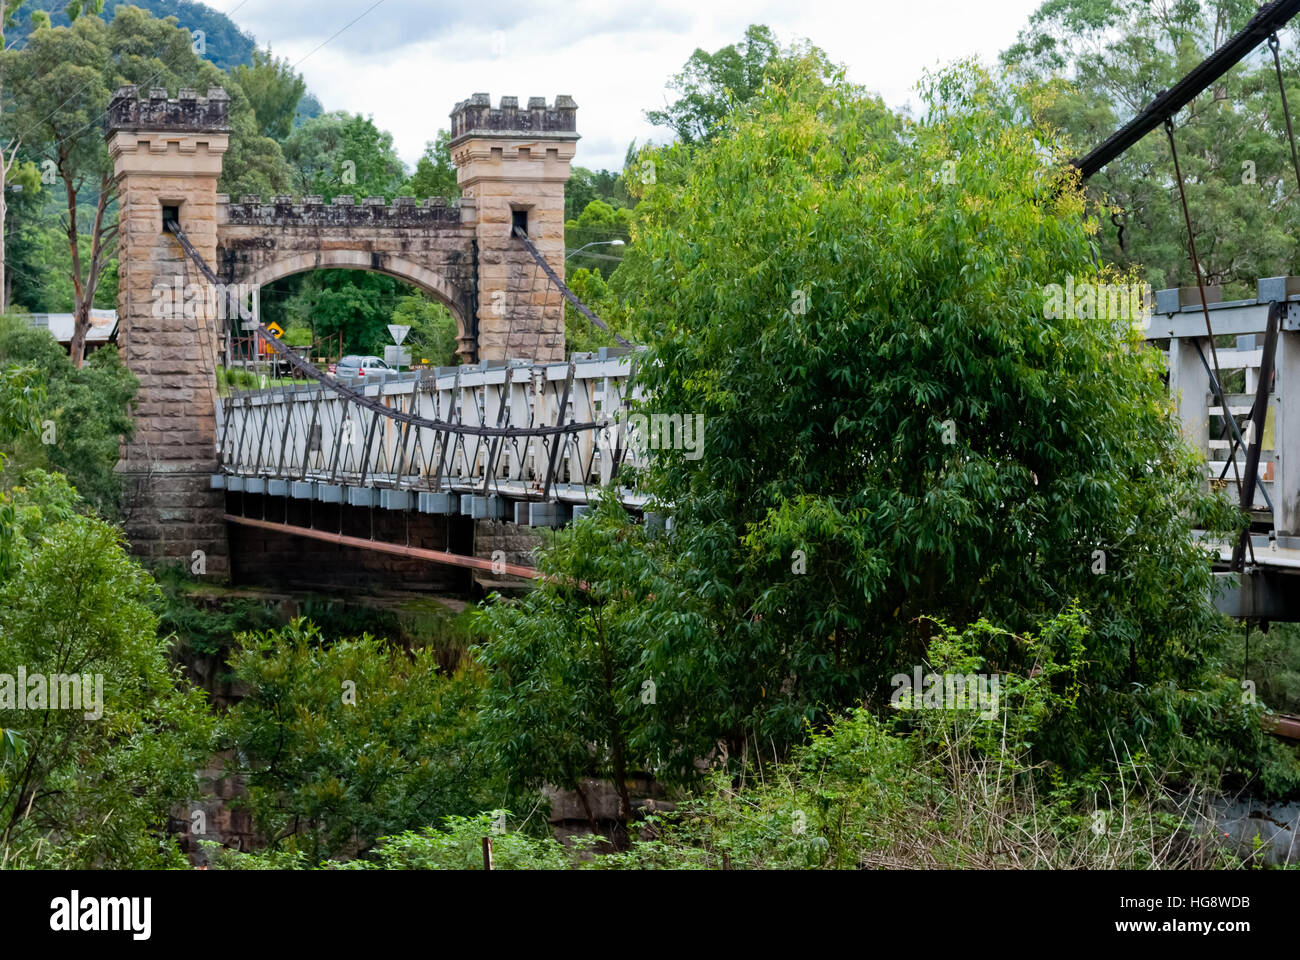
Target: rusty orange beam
{"points": [[1284, 726], [422, 553]]}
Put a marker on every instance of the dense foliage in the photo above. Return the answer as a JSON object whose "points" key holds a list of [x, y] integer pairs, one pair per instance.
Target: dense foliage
{"points": [[81, 419], [90, 787], [435, 174], [343, 154], [894, 430], [904, 463], [274, 91], [345, 741], [224, 43], [924, 788]]}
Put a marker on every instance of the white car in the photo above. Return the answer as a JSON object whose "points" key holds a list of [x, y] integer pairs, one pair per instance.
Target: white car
{"points": [[363, 367]]}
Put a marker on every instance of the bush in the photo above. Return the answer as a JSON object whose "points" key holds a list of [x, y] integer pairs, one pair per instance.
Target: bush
{"points": [[84, 416], [348, 741], [91, 791], [896, 427], [925, 788]]}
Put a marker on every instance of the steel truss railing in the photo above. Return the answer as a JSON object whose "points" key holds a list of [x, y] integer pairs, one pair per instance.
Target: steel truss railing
{"points": [[525, 431]]}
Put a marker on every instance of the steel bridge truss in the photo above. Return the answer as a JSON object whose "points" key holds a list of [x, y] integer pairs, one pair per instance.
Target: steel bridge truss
{"points": [[526, 432]]}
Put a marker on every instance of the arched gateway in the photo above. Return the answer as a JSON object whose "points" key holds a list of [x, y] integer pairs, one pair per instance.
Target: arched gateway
{"points": [[512, 165]]}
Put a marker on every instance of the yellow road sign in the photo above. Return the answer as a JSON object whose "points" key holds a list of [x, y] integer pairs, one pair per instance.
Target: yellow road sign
{"points": [[276, 330]]}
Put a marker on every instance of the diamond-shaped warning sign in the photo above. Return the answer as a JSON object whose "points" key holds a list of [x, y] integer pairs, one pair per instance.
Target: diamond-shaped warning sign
{"points": [[275, 329]]}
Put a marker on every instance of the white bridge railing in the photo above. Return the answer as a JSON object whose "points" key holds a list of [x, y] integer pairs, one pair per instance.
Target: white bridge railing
{"points": [[310, 442]]}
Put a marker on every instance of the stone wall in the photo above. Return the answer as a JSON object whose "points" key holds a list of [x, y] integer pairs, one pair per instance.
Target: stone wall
{"points": [[519, 544], [429, 244]]}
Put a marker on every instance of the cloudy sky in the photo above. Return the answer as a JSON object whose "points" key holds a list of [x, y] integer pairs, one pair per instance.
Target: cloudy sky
{"points": [[406, 62]]}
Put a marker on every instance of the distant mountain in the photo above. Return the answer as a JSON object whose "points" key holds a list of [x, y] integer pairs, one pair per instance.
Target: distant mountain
{"points": [[308, 107], [226, 45]]}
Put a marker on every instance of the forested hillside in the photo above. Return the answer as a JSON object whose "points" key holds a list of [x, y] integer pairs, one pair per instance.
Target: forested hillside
{"points": [[226, 45]]}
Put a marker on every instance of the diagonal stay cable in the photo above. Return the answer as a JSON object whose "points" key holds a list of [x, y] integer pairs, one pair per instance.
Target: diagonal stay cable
{"points": [[1286, 110], [372, 404], [1205, 309], [568, 294]]}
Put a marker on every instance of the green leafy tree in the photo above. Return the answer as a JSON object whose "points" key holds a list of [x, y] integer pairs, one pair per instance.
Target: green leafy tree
{"points": [[344, 154], [216, 36], [435, 174], [586, 185], [22, 393], [598, 224], [93, 787], [273, 90], [712, 86], [433, 333], [23, 267], [1090, 65], [83, 416], [568, 696], [357, 304], [894, 429], [63, 78], [580, 334], [9, 11], [308, 107], [347, 741]]}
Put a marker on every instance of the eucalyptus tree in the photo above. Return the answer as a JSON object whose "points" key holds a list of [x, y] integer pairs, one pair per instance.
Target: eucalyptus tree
{"points": [[9, 14], [898, 427]]}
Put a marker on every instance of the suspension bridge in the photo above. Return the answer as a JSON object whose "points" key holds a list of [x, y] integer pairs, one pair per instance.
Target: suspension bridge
{"points": [[518, 434]]}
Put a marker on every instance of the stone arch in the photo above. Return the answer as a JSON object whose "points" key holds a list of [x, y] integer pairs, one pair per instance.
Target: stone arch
{"points": [[401, 268]]}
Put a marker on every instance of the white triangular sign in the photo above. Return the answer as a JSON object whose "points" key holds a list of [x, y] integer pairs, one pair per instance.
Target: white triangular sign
{"points": [[399, 332]]}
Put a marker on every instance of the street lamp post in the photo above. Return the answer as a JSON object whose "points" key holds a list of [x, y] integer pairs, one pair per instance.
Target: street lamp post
{"points": [[596, 243]]}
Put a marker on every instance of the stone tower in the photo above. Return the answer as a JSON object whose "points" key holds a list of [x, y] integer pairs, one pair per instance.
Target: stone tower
{"points": [[166, 156], [512, 165]]}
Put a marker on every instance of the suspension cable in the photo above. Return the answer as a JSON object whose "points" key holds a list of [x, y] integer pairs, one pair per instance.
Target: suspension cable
{"points": [[568, 294]]}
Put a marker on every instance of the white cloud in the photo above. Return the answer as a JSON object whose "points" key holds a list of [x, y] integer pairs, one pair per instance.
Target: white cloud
{"points": [[407, 62]]}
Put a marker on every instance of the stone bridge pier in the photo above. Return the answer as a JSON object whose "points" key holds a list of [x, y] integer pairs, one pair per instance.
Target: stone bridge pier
{"points": [[512, 166]]}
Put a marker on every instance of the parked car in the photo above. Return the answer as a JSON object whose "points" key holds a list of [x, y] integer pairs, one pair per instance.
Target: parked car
{"points": [[355, 366], [281, 367]]}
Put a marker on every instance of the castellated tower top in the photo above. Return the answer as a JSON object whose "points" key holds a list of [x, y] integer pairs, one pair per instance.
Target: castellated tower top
{"points": [[186, 113], [476, 117]]}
